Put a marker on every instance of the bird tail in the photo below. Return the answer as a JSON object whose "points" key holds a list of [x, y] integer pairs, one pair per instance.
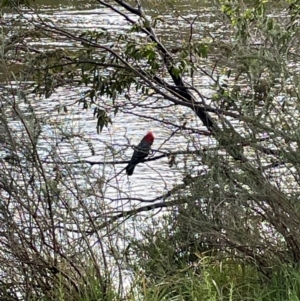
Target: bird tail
{"points": [[130, 169]]}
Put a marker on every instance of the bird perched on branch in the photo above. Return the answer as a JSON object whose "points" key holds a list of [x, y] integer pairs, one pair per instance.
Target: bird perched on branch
{"points": [[140, 152]]}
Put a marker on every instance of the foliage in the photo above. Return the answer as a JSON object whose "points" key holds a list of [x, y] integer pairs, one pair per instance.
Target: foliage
{"points": [[232, 146], [213, 281]]}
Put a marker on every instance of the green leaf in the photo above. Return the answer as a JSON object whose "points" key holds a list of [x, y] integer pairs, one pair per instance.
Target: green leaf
{"points": [[102, 119]]}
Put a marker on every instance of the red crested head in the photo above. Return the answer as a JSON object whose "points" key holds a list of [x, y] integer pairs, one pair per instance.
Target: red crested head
{"points": [[149, 137]]}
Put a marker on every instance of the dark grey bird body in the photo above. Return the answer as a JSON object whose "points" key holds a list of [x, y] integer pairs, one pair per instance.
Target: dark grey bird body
{"points": [[140, 153]]}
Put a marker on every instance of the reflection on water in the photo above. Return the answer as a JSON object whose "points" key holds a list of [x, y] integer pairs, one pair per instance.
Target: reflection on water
{"points": [[150, 179]]}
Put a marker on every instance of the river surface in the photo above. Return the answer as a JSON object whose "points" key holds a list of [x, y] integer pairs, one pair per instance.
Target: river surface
{"points": [[152, 179]]}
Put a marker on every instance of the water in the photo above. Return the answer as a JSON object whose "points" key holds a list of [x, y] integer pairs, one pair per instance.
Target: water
{"points": [[152, 179], [90, 195], [99, 190]]}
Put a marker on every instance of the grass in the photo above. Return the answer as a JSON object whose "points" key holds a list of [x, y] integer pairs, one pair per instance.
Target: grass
{"points": [[209, 280], [224, 281]]}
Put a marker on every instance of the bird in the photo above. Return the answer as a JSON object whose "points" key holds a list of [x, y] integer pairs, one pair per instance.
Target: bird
{"points": [[140, 152]]}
